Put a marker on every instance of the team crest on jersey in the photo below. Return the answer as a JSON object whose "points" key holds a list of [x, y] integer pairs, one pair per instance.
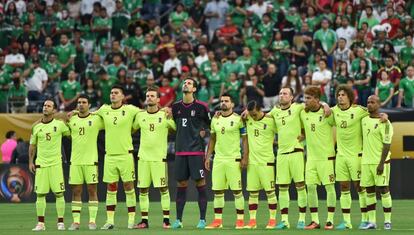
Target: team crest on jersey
{"points": [[376, 125], [352, 116], [264, 126], [192, 113], [320, 118], [107, 113], [54, 129], [290, 112], [123, 112], [231, 123], [159, 120], [90, 123]]}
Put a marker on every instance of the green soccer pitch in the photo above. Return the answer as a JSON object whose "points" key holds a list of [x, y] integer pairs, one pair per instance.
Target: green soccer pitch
{"points": [[21, 218]]}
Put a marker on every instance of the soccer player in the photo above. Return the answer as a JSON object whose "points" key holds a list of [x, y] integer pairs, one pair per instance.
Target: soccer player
{"points": [[191, 117], [152, 162], [226, 131], [349, 152], [85, 128], [290, 160], [375, 168], [119, 162], [320, 156], [46, 141], [261, 130]]}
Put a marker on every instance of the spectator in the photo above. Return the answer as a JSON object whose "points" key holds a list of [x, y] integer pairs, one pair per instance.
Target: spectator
{"points": [[228, 30], [394, 72], [115, 50], [4, 89], [117, 65], [48, 23], [172, 62], [120, 19], [65, 25], [36, 83], [233, 88], [17, 94], [93, 68], [406, 54], [246, 59], [105, 84], [167, 93], [102, 25], [322, 78], [393, 21], [5, 32], [294, 81], [141, 75], [271, 86], [406, 90], [346, 31], [27, 35], [135, 42], [342, 74], [202, 56], [384, 90], [232, 66], [362, 82], [238, 13], [215, 13], [92, 93], [69, 92], [281, 48], [54, 71], [216, 80], [369, 18], [20, 154], [252, 90], [177, 18], [342, 53], [15, 59], [8, 146], [65, 55], [133, 94], [259, 8], [204, 93], [328, 39]]}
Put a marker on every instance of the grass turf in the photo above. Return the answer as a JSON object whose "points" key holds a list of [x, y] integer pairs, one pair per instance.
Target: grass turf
{"points": [[21, 218]]}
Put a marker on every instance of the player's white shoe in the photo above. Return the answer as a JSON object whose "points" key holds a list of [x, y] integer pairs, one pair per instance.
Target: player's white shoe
{"points": [[92, 226], [107, 226], [61, 226], [39, 227], [74, 226]]}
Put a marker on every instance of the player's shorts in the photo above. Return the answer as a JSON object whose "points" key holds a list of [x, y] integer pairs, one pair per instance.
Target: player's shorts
{"points": [[290, 167], [318, 172], [49, 179], [79, 174], [261, 177], [119, 166], [155, 172], [348, 168], [189, 166], [226, 174], [370, 178]]}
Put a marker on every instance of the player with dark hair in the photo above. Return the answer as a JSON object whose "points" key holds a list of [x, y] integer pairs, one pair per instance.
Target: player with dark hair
{"points": [[46, 143], [261, 130], [85, 128], [192, 117], [320, 156], [152, 163], [375, 163], [119, 162], [226, 131]]}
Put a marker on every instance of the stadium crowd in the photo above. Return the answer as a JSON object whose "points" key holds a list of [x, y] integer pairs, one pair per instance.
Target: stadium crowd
{"points": [[250, 49]]}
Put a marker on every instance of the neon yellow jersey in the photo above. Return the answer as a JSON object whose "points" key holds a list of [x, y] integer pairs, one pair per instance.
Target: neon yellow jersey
{"points": [[154, 135], [228, 131], [348, 130], [374, 135], [118, 127], [319, 136], [48, 139], [261, 135], [84, 133], [289, 127]]}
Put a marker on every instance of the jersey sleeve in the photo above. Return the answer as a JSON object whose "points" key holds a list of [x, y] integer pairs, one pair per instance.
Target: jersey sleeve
{"points": [[171, 124], [207, 117], [212, 127], [33, 136], [100, 124], [387, 132], [331, 120], [135, 125], [65, 129], [242, 127]]}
